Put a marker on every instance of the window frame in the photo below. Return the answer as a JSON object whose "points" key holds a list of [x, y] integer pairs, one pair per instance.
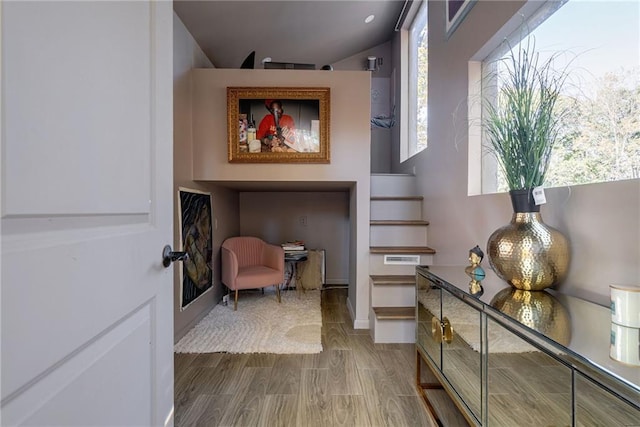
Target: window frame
{"points": [[483, 168], [409, 145]]}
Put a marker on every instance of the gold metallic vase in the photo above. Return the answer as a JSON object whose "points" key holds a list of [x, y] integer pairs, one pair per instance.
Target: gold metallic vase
{"points": [[538, 310], [527, 253]]}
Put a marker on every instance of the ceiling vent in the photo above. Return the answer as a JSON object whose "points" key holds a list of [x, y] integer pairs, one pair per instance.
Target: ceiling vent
{"points": [[288, 66]]}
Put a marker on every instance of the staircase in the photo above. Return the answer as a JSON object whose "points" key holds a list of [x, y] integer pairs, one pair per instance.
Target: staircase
{"points": [[398, 239]]}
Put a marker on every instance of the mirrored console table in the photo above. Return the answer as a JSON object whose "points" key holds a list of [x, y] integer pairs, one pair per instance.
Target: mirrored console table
{"points": [[517, 358]]}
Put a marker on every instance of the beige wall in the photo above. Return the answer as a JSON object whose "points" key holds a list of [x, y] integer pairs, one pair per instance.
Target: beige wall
{"points": [[380, 138], [187, 55], [359, 60], [602, 221], [277, 217], [349, 144]]}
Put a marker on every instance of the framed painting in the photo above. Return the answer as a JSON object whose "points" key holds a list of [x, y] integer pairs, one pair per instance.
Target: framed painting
{"points": [[196, 273], [278, 125], [456, 10]]}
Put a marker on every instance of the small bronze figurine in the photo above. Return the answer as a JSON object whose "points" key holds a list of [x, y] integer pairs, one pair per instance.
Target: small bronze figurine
{"points": [[475, 271]]}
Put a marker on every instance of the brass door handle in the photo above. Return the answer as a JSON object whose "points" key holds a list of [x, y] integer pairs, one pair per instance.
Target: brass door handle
{"points": [[436, 329], [442, 331], [447, 331]]}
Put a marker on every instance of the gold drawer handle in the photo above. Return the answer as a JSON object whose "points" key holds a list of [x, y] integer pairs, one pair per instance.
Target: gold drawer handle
{"points": [[447, 331], [436, 329], [441, 331]]}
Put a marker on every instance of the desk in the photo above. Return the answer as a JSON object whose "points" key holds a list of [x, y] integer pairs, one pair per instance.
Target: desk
{"points": [[291, 260]]}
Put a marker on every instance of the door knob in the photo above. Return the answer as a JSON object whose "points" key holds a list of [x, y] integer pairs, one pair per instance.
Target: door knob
{"points": [[169, 256]]}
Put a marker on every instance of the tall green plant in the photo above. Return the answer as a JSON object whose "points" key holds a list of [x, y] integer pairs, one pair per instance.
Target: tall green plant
{"points": [[522, 124]]}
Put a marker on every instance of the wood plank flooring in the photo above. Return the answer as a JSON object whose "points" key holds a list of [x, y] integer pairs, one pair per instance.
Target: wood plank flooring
{"points": [[353, 382]]}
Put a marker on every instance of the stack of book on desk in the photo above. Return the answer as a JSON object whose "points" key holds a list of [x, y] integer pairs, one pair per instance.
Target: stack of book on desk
{"points": [[293, 246], [294, 251]]}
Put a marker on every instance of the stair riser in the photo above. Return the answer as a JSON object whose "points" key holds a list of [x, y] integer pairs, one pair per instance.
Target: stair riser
{"points": [[377, 266], [393, 185], [398, 235], [396, 209], [393, 296], [392, 331]]}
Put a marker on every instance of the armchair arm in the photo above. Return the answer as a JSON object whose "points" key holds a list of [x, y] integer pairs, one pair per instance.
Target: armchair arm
{"points": [[273, 257], [229, 270]]}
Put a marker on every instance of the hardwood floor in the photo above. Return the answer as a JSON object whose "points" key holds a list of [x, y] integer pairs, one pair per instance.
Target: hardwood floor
{"points": [[353, 382]]}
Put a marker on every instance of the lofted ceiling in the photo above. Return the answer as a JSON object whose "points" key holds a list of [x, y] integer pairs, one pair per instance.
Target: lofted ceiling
{"points": [[315, 32]]}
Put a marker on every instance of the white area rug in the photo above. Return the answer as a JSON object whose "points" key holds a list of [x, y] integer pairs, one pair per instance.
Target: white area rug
{"points": [[260, 325], [466, 323]]}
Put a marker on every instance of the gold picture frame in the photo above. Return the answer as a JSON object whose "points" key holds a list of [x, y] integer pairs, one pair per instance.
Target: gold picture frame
{"points": [[278, 125]]}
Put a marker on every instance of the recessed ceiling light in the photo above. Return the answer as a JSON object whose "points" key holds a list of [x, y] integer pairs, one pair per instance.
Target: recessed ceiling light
{"points": [[369, 19]]}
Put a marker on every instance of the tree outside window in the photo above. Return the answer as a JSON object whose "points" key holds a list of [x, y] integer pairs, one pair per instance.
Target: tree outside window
{"points": [[602, 131]]}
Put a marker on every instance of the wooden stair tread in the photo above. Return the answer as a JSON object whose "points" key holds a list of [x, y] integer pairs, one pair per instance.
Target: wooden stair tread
{"points": [[395, 313], [398, 222], [401, 250], [396, 198], [393, 280]]}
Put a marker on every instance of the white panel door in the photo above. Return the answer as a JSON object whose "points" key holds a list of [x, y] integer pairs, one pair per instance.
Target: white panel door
{"points": [[87, 321]]}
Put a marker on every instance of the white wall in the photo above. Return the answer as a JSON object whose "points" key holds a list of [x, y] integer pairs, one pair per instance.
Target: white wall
{"points": [[349, 147], [602, 221]]}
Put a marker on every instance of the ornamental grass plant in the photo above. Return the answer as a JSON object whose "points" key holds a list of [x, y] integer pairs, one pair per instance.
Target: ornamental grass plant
{"points": [[523, 122]]}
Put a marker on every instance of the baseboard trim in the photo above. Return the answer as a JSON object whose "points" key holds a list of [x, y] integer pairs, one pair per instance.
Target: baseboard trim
{"points": [[352, 313], [336, 282], [357, 323], [177, 335], [361, 324]]}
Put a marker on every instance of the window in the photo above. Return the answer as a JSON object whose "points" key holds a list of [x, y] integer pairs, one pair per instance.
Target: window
{"points": [[418, 67], [600, 46]]}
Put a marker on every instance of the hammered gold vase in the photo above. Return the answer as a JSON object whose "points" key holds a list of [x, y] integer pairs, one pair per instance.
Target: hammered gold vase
{"points": [[527, 253], [539, 311]]}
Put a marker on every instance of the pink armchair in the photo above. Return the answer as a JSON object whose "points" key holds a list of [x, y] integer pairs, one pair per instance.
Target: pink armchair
{"points": [[249, 263]]}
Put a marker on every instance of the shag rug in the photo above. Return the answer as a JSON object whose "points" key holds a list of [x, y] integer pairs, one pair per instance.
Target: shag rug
{"points": [[466, 323], [260, 325]]}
